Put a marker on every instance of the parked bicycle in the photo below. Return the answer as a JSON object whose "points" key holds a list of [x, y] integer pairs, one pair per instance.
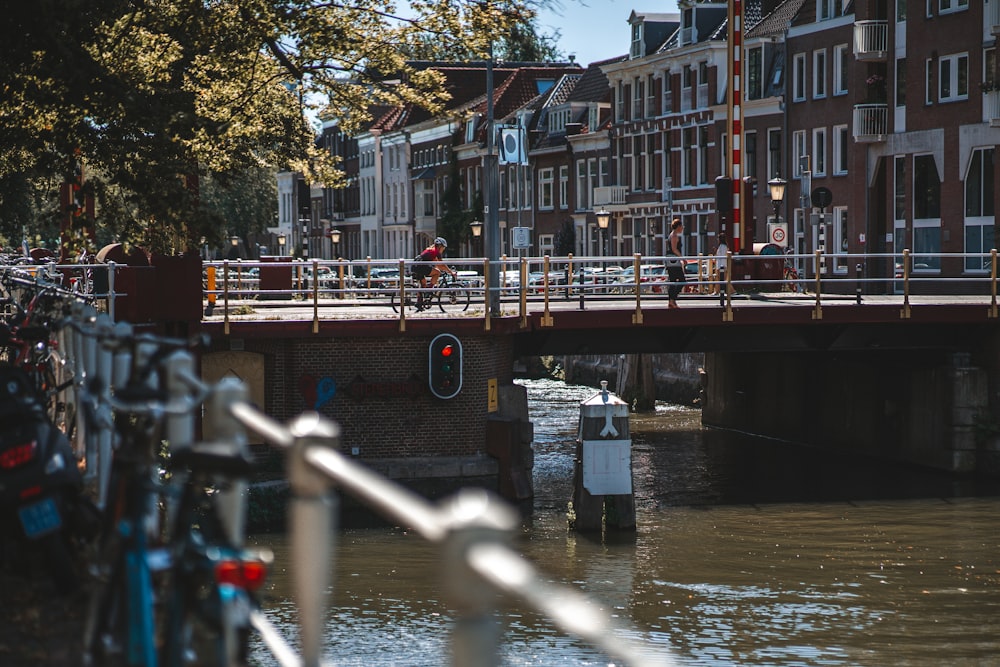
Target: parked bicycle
{"points": [[449, 295], [174, 586]]}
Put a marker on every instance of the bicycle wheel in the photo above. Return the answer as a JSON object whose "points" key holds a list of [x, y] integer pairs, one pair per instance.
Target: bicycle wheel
{"points": [[453, 299]]}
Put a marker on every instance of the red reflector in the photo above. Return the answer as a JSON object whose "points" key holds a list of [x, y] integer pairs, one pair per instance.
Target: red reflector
{"points": [[446, 351], [18, 455], [249, 575], [30, 491]]}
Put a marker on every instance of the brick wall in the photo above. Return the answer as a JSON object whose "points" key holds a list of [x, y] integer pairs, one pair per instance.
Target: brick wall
{"points": [[398, 417]]}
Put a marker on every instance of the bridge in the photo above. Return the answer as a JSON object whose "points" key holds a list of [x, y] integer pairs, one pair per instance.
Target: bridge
{"points": [[572, 306], [891, 361]]}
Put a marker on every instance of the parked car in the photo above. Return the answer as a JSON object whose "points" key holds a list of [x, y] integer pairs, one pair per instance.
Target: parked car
{"points": [[379, 278], [536, 280], [655, 274]]}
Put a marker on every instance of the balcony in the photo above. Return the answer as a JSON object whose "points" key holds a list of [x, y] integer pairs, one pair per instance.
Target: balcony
{"points": [[688, 36], [871, 40], [611, 197], [871, 122], [991, 106]]}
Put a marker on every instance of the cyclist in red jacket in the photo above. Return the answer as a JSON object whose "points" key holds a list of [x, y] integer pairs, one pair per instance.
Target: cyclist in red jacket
{"points": [[429, 265]]}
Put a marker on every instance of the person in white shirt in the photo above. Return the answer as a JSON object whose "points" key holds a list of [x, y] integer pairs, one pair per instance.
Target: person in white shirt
{"points": [[721, 261]]}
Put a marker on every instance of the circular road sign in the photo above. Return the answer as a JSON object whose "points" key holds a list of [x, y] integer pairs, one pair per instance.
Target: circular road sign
{"points": [[822, 197], [778, 235]]}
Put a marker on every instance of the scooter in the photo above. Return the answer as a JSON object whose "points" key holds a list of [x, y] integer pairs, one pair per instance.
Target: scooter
{"points": [[44, 515]]}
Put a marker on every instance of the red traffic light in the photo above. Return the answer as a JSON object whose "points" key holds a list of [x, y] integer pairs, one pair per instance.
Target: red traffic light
{"points": [[446, 351]]}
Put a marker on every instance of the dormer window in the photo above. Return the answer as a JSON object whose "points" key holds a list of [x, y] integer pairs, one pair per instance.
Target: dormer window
{"points": [[636, 50], [470, 130], [557, 120], [689, 33]]}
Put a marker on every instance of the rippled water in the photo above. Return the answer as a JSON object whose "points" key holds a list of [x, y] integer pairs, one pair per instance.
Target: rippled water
{"points": [[748, 552]]}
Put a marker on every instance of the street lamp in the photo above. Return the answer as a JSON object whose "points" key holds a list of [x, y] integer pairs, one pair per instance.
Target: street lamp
{"points": [[477, 231], [281, 244], [234, 250], [777, 187], [335, 240], [603, 220]]}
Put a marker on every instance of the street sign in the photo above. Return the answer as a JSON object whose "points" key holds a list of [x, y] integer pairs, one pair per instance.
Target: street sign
{"points": [[822, 197], [777, 232], [520, 237]]}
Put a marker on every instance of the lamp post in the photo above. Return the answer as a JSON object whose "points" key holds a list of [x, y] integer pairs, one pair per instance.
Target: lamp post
{"points": [[335, 240], [603, 220], [234, 249], [477, 232], [281, 244], [777, 187]]}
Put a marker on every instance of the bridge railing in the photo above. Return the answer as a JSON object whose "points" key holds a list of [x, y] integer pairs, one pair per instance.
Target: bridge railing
{"points": [[529, 284]]}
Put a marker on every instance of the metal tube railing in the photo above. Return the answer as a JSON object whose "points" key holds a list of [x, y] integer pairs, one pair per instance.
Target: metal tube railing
{"points": [[536, 286], [473, 527]]}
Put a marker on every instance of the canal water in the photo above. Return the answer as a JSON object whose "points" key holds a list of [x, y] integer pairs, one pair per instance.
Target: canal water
{"points": [[748, 552]]}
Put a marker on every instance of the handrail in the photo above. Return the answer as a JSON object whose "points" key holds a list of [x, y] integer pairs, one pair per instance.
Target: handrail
{"points": [[531, 286], [473, 528]]}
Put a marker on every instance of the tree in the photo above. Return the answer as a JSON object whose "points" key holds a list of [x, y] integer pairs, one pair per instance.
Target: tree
{"points": [[565, 240], [154, 96]]}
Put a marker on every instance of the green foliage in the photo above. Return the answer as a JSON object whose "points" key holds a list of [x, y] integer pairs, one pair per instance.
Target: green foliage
{"points": [[565, 240], [158, 98]]}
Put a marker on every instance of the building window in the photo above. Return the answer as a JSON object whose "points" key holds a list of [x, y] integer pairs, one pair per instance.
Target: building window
{"points": [[594, 180], [799, 150], [545, 188], [990, 67], [900, 82], [650, 162], [900, 188], [947, 6], [582, 196], [703, 155], [755, 73], [650, 97], [638, 176], [953, 78], [636, 50], [830, 9], [689, 156], [563, 186], [799, 77], [841, 66], [637, 96], [840, 243], [900, 11], [774, 153], [926, 214], [840, 144], [750, 151], [929, 81], [819, 73], [819, 152], [979, 209]]}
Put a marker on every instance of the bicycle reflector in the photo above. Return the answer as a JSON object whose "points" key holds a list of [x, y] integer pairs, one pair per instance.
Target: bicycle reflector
{"points": [[444, 371], [246, 574]]}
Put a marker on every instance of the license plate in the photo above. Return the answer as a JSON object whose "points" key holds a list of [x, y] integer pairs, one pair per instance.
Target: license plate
{"points": [[40, 518]]}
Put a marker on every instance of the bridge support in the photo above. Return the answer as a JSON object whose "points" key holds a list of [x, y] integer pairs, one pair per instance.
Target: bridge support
{"points": [[928, 407], [635, 383]]}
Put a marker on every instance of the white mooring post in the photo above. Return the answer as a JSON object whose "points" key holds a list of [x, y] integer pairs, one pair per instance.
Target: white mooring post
{"points": [[602, 475]]}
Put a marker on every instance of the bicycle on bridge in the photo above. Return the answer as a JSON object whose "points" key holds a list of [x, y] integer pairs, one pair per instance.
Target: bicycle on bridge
{"points": [[449, 295]]}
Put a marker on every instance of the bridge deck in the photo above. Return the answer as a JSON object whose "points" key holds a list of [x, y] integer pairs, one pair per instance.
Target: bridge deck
{"points": [[767, 321]]}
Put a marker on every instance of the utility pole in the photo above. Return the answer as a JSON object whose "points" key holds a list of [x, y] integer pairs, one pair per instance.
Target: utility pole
{"points": [[491, 174]]}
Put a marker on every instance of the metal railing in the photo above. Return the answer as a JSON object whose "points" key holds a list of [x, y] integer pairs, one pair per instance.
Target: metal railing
{"points": [[474, 528], [530, 285]]}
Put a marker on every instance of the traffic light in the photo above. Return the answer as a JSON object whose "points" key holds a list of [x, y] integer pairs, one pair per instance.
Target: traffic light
{"points": [[723, 194], [444, 366]]}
